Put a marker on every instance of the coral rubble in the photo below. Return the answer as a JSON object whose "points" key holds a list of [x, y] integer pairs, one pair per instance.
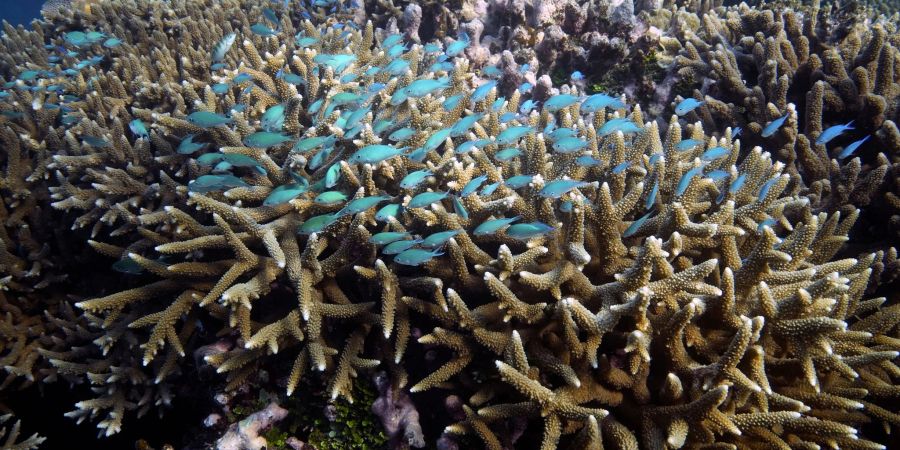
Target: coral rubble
{"points": [[291, 190]]}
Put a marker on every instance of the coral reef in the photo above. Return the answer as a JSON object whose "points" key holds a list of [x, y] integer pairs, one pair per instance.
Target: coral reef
{"points": [[272, 184]]}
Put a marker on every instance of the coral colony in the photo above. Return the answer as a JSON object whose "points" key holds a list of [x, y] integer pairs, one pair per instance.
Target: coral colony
{"points": [[467, 202]]}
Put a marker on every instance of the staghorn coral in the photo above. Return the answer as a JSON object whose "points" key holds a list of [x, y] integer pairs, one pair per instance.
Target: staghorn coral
{"points": [[820, 65], [672, 299]]}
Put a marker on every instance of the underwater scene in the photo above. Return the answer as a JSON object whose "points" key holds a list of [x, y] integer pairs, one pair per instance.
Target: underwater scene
{"points": [[449, 225]]}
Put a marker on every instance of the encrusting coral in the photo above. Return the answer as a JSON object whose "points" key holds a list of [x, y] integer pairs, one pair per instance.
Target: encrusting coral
{"points": [[310, 187]]}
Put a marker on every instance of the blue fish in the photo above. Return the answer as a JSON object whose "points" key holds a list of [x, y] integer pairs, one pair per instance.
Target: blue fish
{"points": [[636, 225], [685, 180], [188, 146], [576, 76], [833, 132], [597, 102], [472, 185], [489, 189], [714, 154], [519, 181], [507, 154], [508, 117], [848, 150], [437, 240], [205, 119], [559, 101], [769, 222], [436, 139], [687, 105], [773, 126], [262, 30], [462, 125], [397, 66], [766, 187], [569, 145], [402, 134], [374, 154], [209, 183], [459, 208], [625, 125], [492, 226], [558, 188], [527, 106], [361, 204], [387, 212], [587, 161], [95, 141], [717, 174], [456, 47], [138, 128], [525, 87], [330, 198], [273, 118], [416, 256], [526, 231], [651, 197], [414, 179], [386, 237], [737, 183], [619, 168], [467, 146], [687, 144], [401, 246], [333, 175], [452, 102], [284, 194], [391, 40], [482, 91], [513, 134], [316, 224], [425, 199]]}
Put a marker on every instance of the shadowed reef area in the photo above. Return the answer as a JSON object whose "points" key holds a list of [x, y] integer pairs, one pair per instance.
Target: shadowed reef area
{"points": [[248, 224]]}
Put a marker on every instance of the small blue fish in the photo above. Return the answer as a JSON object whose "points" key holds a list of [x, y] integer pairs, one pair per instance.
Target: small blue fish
{"points": [[316, 224], [525, 87], [332, 175], [391, 40], [558, 188], [769, 222], [467, 146], [219, 88], [651, 197], [687, 105], [587, 161], [462, 125], [636, 225], [518, 181], [766, 187], [423, 87], [736, 132], [687, 144], [94, 141], [209, 183], [284, 194], [397, 66], [425, 199], [527, 106], [451, 102], [188, 146], [262, 30], [526, 231], [311, 143], [513, 134], [848, 150], [112, 43], [305, 41], [359, 205], [737, 183], [382, 125], [833, 132], [489, 189], [273, 118], [138, 128], [241, 78], [773, 126], [374, 154], [685, 180], [396, 50], [717, 175], [621, 167], [414, 179], [559, 101], [437, 139], [715, 153], [387, 212], [402, 134], [222, 47], [482, 91], [459, 208], [569, 145], [561, 133], [204, 119], [400, 246], [576, 76], [498, 104], [456, 47], [269, 14], [416, 256], [437, 240], [507, 154], [472, 185], [625, 125], [566, 206], [508, 117], [386, 237], [492, 226], [491, 72], [597, 102], [330, 198], [266, 139], [432, 47]]}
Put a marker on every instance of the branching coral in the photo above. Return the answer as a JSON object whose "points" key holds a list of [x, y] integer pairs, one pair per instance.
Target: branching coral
{"points": [[607, 277]]}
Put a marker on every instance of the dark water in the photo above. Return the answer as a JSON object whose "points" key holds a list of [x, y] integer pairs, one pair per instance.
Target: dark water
{"points": [[20, 11]]}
